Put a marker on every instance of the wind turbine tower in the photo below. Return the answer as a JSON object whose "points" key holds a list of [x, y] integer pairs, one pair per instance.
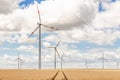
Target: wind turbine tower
{"points": [[86, 63], [61, 59]]}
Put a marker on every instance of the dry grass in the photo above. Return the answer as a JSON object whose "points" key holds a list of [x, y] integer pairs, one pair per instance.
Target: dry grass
{"points": [[67, 74]]}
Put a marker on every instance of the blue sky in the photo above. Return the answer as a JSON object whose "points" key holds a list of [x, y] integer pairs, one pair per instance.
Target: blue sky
{"points": [[28, 2], [83, 44], [72, 42]]}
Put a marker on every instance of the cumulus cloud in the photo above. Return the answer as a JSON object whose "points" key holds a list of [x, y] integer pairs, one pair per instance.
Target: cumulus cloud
{"points": [[46, 44], [66, 15], [7, 6], [18, 21], [5, 36], [107, 20], [24, 39], [110, 17], [17, 38], [106, 25], [56, 13], [90, 35], [71, 55], [30, 48]]}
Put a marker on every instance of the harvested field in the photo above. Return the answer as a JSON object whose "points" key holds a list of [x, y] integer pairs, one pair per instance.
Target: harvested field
{"points": [[65, 74]]}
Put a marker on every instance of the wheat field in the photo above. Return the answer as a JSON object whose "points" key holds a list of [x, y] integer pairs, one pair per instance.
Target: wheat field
{"points": [[65, 74]]}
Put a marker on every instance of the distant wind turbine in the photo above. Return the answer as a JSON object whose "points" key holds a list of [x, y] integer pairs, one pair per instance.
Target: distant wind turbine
{"points": [[39, 28], [20, 61], [86, 62], [117, 64], [103, 59], [56, 53], [61, 59]]}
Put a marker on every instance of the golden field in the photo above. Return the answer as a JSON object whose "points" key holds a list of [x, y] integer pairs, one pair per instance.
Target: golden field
{"points": [[65, 74]]}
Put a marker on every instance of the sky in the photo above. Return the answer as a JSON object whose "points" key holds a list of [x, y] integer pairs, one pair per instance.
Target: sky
{"points": [[87, 29]]}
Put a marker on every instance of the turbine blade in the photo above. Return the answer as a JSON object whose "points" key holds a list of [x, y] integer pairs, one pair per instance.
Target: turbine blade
{"points": [[57, 53], [105, 59], [50, 47], [58, 43], [62, 59], [62, 54], [39, 14], [33, 32], [21, 59], [16, 59], [50, 27]]}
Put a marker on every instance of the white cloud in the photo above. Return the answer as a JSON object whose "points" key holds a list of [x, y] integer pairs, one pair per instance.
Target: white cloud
{"points": [[24, 39], [66, 15], [110, 17], [91, 35], [72, 56], [7, 6], [107, 23], [17, 38], [52, 38], [29, 48], [5, 49], [55, 13], [18, 21], [9, 61], [4, 36], [46, 44], [109, 20], [101, 37]]}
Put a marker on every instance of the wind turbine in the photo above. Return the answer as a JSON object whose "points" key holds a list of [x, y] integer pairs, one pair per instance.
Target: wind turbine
{"points": [[56, 52], [61, 59], [103, 60], [86, 62], [20, 61], [39, 28], [117, 64]]}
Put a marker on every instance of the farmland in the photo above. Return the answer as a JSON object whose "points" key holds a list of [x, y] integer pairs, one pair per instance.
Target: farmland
{"points": [[65, 74]]}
